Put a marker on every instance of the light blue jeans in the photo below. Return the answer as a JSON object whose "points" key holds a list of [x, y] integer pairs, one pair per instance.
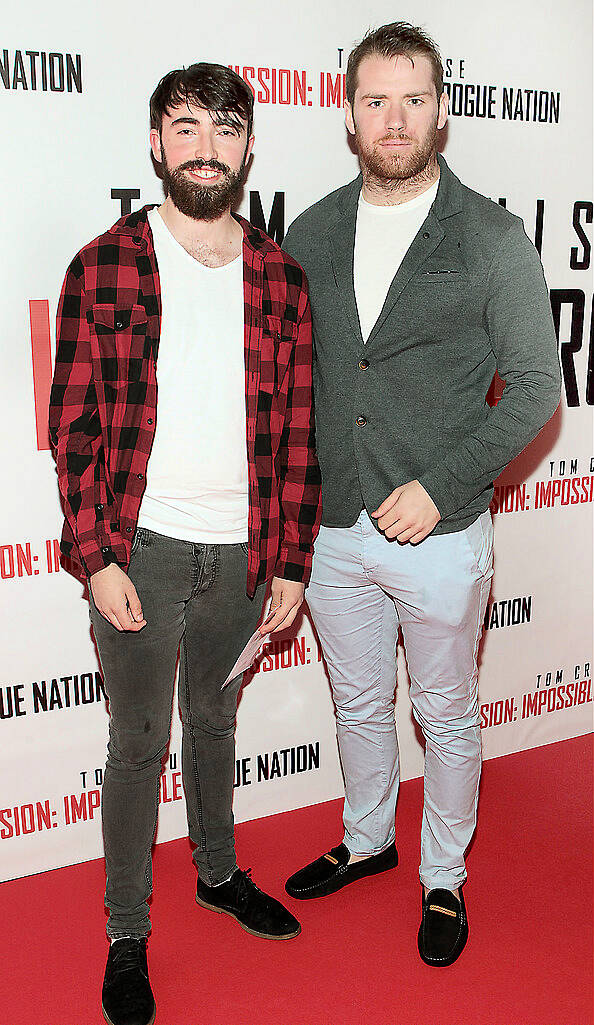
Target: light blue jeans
{"points": [[363, 587]]}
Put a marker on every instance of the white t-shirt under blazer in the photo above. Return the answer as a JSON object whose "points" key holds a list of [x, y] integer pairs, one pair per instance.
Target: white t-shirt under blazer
{"points": [[382, 239]]}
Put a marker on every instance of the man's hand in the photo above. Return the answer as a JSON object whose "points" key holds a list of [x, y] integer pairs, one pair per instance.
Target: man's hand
{"points": [[287, 596], [408, 514], [116, 598]]}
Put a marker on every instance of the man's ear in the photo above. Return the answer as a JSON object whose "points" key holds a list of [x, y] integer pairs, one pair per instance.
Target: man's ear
{"points": [[348, 118], [442, 114], [155, 141]]}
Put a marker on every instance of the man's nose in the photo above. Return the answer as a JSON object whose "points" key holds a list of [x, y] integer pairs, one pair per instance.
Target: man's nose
{"points": [[204, 146], [395, 118]]}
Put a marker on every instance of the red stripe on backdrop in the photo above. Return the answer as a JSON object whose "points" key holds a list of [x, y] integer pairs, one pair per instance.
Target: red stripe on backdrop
{"points": [[42, 366]]}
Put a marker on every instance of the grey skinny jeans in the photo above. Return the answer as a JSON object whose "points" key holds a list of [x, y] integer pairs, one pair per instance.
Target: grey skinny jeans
{"points": [[193, 598]]}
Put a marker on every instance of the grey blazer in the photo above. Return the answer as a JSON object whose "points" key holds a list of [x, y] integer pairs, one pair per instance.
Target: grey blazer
{"points": [[469, 297]]}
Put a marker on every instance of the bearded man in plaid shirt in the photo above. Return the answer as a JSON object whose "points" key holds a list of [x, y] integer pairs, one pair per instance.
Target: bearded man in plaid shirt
{"points": [[179, 508]]}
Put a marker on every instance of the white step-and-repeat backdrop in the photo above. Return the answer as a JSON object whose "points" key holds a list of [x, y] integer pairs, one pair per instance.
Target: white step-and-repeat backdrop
{"points": [[74, 89]]}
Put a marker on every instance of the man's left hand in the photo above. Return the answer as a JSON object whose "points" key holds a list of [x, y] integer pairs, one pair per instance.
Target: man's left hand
{"points": [[408, 514], [287, 596]]}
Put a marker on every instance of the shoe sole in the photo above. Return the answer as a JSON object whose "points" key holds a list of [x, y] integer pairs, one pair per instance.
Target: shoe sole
{"points": [[252, 932], [334, 887], [109, 1021]]}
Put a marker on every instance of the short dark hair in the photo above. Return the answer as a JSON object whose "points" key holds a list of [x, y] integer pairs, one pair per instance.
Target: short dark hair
{"points": [[399, 39], [212, 86]]}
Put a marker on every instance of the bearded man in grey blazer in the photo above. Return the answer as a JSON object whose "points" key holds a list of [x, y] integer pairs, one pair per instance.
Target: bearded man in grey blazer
{"points": [[420, 289]]}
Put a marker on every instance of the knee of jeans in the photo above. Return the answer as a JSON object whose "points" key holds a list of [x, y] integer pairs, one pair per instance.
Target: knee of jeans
{"points": [[448, 725], [135, 751], [365, 709], [214, 722]]}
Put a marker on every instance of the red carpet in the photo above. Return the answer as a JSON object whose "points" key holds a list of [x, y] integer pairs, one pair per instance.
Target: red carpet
{"points": [[529, 899]]}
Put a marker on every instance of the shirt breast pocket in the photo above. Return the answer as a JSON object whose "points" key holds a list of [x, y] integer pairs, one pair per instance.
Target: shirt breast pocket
{"points": [[118, 337], [275, 355]]}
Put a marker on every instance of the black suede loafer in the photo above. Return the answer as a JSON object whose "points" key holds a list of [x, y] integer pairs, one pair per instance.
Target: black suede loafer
{"points": [[331, 872], [255, 911], [127, 998], [444, 927]]}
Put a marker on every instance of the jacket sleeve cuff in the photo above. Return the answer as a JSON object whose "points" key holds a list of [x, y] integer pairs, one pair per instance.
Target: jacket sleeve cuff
{"points": [[439, 492]]}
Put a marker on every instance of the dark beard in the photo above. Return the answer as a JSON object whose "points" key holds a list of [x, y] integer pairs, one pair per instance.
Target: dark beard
{"points": [[395, 169], [201, 202]]}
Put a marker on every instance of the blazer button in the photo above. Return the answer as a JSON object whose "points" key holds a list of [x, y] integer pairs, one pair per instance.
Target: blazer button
{"points": [[149, 420], [426, 234], [363, 364], [360, 421]]}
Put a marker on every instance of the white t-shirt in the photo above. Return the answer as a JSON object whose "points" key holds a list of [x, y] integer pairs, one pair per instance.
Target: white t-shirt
{"points": [[382, 238], [197, 476]]}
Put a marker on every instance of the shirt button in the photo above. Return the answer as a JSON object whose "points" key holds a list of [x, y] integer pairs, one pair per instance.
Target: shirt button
{"points": [[426, 234], [140, 476], [119, 324], [99, 506], [128, 530], [105, 549], [363, 364], [150, 420], [360, 421]]}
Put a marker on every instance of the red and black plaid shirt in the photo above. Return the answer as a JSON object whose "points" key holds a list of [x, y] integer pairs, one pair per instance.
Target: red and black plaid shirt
{"points": [[103, 405]]}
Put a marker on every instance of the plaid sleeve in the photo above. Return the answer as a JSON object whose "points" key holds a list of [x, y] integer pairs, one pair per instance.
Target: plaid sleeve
{"points": [[300, 481], [76, 434]]}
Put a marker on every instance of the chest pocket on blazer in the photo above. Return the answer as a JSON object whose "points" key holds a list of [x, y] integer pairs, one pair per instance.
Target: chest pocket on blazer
{"points": [[118, 336], [443, 268]]}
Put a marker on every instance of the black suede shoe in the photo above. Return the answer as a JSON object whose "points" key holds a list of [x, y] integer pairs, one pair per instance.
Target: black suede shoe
{"points": [[444, 927], [331, 872], [127, 995], [255, 911]]}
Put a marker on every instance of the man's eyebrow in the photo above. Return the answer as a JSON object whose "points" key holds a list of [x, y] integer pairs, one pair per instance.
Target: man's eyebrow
{"points": [[384, 96], [221, 120]]}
